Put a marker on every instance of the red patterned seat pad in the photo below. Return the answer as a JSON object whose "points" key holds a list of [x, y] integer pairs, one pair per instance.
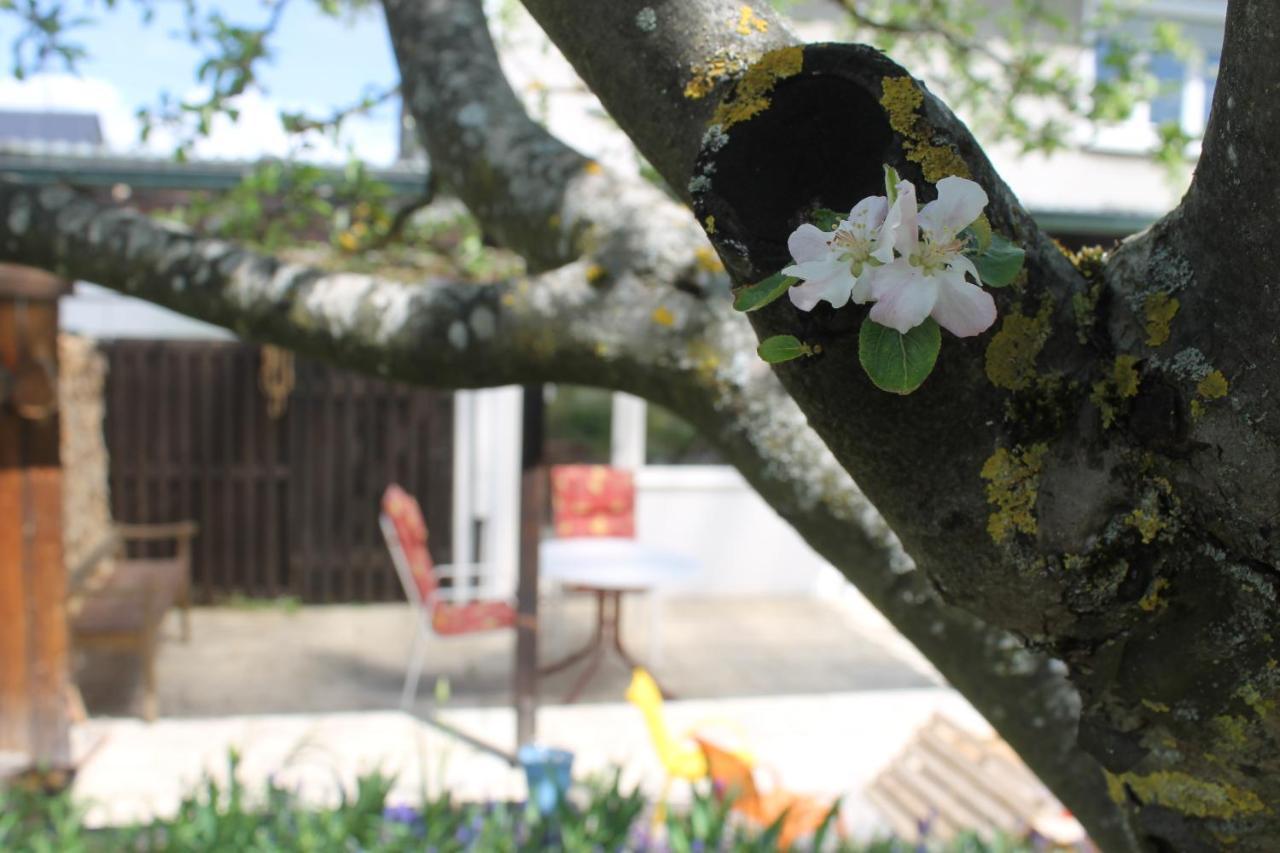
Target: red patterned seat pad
{"points": [[593, 500], [449, 619]]}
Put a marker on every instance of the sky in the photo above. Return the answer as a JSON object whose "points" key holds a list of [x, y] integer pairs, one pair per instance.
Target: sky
{"points": [[319, 63]]}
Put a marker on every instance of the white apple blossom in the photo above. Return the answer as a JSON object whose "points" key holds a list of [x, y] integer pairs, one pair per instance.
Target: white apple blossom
{"points": [[929, 276], [840, 265]]}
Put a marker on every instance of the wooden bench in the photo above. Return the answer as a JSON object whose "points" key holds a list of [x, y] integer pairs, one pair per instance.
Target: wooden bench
{"points": [[949, 780], [118, 603]]}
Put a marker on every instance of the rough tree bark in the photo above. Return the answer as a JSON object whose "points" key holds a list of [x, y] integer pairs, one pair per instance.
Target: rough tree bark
{"points": [[1093, 476], [1097, 474]]}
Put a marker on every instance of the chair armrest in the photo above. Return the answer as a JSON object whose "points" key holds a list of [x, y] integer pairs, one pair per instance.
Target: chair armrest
{"points": [[78, 574], [484, 590], [180, 530]]}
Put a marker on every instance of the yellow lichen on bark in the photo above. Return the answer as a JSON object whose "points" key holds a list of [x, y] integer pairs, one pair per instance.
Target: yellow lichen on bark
{"points": [[707, 260], [707, 74], [1160, 309], [751, 96], [1214, 386], [663, 317], [1110, 392], [1011, 355], [749, 22], [1148, 525], [1013, 482], [1151, 600], [1190, 795], [901, 99]]}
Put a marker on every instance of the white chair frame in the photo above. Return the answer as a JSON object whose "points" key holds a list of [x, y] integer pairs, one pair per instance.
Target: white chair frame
{"points": [[455, 594]]}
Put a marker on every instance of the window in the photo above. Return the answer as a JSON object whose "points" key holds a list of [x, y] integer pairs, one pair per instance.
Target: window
{"points": [[1185, 78]]}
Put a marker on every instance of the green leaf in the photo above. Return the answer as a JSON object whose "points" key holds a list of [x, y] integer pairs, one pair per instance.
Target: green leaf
{"points": [[896, 362], [825, 219], [980, 229], [1000, 264], [780, 348], [891, 180], [753, 297]]}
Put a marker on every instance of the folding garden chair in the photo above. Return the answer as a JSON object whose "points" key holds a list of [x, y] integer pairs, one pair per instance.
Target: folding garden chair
{"points": [[443, 611]]}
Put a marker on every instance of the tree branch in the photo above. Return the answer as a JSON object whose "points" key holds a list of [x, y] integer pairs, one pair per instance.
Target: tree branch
{"points": [[530, 192], [560, 327], [659, 67], [446, 334]]}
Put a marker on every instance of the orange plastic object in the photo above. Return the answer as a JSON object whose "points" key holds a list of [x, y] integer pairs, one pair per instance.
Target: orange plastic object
{"points": [[593, 500], [733, 772]]}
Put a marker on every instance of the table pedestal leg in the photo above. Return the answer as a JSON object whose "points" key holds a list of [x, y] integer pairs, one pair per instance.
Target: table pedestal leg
{"points": [[608, 626]]}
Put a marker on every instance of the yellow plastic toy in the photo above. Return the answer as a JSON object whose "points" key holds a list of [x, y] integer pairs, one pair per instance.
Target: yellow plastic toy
{"points": [[681, 757]]}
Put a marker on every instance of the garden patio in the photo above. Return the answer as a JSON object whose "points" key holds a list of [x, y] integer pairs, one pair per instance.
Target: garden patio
{"points": [[305, 693]]}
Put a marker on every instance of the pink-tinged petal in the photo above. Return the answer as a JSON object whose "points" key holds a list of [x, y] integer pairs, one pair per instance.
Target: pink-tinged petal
{"points": [[905, 306], [892, 276], [822, 268], [959, 263], [900, 230], [963, 309], [808, 243], [959, 202], [834, 289], [869, 213], [864, 287]]}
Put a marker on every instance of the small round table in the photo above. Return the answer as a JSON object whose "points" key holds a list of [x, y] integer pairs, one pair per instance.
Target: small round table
{"points": [[607, 567]]}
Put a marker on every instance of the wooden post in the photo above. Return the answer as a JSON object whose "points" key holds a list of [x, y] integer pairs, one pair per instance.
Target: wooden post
{"points": [[533, 501], [34, 659]]}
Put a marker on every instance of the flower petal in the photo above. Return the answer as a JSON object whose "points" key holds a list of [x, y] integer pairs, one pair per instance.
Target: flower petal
{"points": [[892, 276], [963, 309], [864, 286], [808, 243], [959, 202], [827, 279], [900, 230], [869, 214], [904, 306]]}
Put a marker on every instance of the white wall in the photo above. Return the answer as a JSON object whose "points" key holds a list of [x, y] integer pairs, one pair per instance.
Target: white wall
{"points": [[710, 513]]}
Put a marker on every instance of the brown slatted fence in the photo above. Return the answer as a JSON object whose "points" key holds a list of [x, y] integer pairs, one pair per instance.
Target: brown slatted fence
{"points": [[288, 505]]}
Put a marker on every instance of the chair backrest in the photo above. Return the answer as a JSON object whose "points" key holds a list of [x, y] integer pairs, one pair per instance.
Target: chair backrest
{"points": [[403, 519], [593, 500]]}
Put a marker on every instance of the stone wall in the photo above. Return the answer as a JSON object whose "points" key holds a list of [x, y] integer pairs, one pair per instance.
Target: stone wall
{"points": [[86, 518]]}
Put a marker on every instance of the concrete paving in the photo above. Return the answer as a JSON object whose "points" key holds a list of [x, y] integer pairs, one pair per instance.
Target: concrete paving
{"points": [[306, 694], [272, 660]]}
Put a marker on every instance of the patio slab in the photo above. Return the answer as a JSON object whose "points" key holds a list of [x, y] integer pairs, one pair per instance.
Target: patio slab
{"points": [[289, 660]]}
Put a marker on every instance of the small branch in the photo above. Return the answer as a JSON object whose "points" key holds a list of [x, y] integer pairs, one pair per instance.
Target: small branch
{"points": [[405, 213], [957, 40], [300, 123]]}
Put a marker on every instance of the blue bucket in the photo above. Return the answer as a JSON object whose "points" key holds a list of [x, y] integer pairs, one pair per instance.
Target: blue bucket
{"points": [[546, 770]]}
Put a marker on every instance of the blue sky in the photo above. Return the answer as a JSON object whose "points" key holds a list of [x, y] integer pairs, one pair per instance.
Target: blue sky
{"points": [[318, 63]]}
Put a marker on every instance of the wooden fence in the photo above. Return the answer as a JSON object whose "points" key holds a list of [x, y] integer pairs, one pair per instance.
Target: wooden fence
{"points": [[287, 505]]}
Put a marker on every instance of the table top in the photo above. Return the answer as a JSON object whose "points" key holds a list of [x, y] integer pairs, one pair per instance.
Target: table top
{"points": [[611, 563]]}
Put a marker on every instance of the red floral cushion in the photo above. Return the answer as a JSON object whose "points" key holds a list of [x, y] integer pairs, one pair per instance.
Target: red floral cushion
{"points": [[411, 531], [593, 500], [475, 616]]}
